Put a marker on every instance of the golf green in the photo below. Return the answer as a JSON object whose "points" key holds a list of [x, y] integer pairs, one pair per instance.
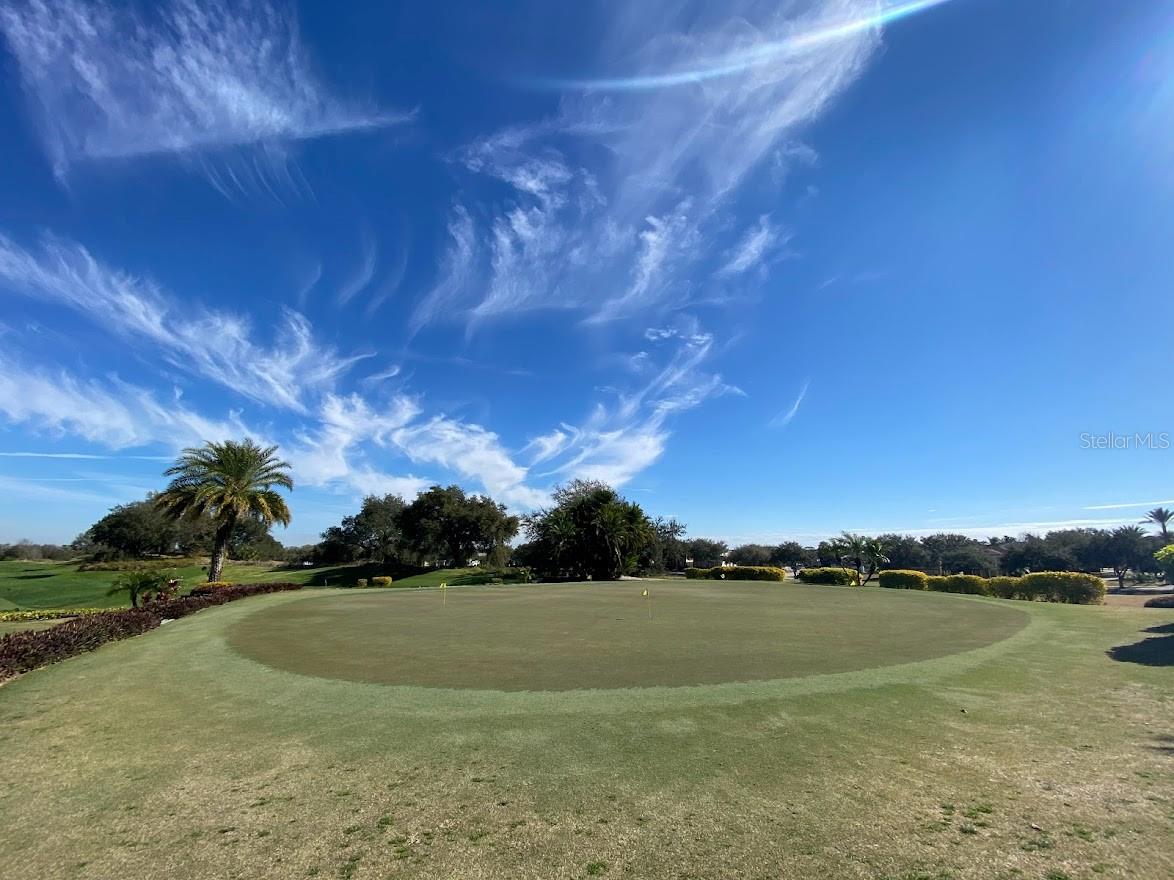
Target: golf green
{"points": [[580, 636]]}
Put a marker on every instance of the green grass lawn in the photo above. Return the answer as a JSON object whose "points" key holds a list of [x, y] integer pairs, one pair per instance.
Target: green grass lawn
{"points": [[12, 626], [36, 585], [899, 736]]}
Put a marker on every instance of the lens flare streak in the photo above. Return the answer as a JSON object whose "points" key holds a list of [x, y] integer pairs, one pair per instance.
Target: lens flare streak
{"points": [[738, 62]]}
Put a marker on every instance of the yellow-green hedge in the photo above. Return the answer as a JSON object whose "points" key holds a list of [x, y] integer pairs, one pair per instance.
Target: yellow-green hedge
{"points": [[903, 579], [844, 577], [381, 581], [738, 573]]}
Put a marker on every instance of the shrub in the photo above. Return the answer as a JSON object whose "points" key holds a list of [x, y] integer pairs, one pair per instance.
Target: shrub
{"points": [[1004, 587], [970, 584], [361, 582], [844, 577], [209, 587], [748, 573], [903, 579], [382, 581], [144, 584], [1160, 602], [1165, 558], [695, 573], [24, 651], [1073, 587]]}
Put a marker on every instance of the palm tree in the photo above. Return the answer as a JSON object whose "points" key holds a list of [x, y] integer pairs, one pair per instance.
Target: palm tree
{"points": [[1161, 517], [230, 481], [874, 556], [855, 548]]}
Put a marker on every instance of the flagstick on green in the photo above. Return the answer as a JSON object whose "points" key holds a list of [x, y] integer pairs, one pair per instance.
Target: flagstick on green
{"points": [[444, 593], [649, 603]]}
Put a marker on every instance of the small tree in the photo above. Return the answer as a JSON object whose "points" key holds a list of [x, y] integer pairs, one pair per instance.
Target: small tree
{"points": [[140, 584], [1127, 545], [793, 555]]}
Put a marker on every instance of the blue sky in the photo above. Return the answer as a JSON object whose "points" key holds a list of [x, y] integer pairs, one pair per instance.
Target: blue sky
{"points": [[777, 269]]}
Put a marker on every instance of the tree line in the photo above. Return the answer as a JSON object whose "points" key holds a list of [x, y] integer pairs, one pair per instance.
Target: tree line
{"points": [[222, 501]]}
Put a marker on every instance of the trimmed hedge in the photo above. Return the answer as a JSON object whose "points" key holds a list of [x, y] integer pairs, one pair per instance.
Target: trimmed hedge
{"points": [[903, 579], [969, 584], [1160, 602], [1073, 587], [738, 573], [1003, 587], [844, 577], [750, 573], [361, 582], [25, 651], [382, 581]]}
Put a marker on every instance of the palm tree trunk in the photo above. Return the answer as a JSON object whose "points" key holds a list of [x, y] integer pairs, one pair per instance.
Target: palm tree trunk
{"points": [[220, 548]]}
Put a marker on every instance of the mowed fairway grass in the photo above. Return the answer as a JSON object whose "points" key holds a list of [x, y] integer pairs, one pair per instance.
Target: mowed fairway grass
{"points": [[39, 585], [747, 730]]}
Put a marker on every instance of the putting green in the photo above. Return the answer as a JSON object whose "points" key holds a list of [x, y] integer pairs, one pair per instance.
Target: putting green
{"points": [[568, 637]]}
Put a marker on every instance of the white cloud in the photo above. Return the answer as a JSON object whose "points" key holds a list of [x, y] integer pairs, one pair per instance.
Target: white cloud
{"points": [[620, 200], [753, 251], [456, 271], [364, 272], [214, 344], [546, 446], [110, 81], [471, 451], [620, 440], [114, 414], [1128, 504], [784, 418], [83, 456], [330, 452]]}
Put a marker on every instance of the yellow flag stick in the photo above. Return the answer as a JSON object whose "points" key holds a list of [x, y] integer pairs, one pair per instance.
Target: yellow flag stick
{"points": [[444, 593], [649, 598]]}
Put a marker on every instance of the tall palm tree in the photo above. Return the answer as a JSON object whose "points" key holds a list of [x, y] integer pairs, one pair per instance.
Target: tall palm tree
{"points": [[230, 481], [1161, 517]]}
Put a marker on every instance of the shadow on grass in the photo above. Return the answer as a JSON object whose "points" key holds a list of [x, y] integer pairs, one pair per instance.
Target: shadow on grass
{"points": [[1157, 650], [1165, 744], [347, 575], [34, 577]]}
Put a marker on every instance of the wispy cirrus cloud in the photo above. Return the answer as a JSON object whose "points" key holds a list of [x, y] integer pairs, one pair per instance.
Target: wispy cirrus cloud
{"points": [[112, 413], [754, 249], [1128, 504], [632, 229], [110, 80], [281, 373], [83, 456], [785, 417], [625, 436]]}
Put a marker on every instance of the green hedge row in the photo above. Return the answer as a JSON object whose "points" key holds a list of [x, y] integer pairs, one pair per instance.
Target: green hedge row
{"points": [[843, 577], [738, 573], [1073, 587]]}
